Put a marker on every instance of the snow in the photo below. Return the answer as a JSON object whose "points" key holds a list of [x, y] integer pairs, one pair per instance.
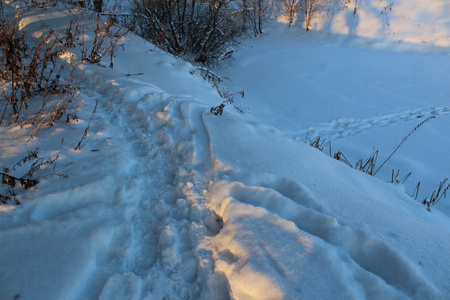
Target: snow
{"points": [[315, 208], [168, 201], [356, 98]]}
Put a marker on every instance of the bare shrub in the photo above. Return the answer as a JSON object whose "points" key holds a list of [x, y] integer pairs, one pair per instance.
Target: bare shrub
{"points": [[40, 3], [22, 175], [254, 14], [204, 30], [12, 62], [33, 74], [224, 92], [105, 40]]}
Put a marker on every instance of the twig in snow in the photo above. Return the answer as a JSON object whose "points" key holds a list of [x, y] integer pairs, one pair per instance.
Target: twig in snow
{"points": [[78, 147]]}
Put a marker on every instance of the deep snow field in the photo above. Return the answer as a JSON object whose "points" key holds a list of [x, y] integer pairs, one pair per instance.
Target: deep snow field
{"points": [[168, 201]]}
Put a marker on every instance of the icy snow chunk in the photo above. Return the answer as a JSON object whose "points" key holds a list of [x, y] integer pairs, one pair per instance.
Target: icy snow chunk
{"points": [[121, 287], [168, 241]]}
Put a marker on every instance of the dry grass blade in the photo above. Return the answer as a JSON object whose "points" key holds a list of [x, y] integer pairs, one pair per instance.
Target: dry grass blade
{"points": [[404, 140], [440, 192], [368, 166], [396, 175], [341, 157], [437, 195]]}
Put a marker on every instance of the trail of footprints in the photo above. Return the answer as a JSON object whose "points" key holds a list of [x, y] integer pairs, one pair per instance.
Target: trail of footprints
{"points": [[158, 234], [342, 128]]}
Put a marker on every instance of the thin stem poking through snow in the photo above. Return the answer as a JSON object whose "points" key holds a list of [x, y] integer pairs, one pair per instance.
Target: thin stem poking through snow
{"points": [[404, 140]]}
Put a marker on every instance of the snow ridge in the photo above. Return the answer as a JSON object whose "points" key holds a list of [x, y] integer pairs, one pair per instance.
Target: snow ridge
{"points": [[373, 269]]}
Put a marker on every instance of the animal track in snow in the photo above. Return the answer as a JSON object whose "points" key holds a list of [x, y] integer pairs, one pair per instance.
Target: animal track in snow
{"points": [[345, 127]]}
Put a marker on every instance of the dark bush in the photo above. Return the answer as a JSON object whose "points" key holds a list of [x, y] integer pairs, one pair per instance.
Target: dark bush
{"points": [[203, 30]]}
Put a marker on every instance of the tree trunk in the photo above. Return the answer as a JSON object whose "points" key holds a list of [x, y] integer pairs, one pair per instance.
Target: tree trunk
{"points": [[307, 15]]}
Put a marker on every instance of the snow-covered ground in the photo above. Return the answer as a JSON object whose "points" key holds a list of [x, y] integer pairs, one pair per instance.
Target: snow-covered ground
{"points": [[355, 98], [168, 201], [359, 93]]}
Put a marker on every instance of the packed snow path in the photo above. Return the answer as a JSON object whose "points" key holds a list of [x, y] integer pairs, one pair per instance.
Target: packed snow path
{"points": [[165, 175]]}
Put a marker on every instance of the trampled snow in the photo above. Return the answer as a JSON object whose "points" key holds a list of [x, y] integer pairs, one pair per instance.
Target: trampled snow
{"points": [[168, 201]]}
